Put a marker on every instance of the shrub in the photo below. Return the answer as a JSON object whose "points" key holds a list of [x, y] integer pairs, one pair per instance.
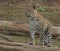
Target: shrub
{"points": [[42, 9], [5, 30], [13, 1]]}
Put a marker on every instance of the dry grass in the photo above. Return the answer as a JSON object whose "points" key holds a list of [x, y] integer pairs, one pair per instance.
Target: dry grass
{"points": [[51, 15]]}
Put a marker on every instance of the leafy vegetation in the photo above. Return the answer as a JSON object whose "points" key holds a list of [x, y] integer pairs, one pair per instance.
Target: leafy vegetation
{"points": [[5, 30], [13, 1]]}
